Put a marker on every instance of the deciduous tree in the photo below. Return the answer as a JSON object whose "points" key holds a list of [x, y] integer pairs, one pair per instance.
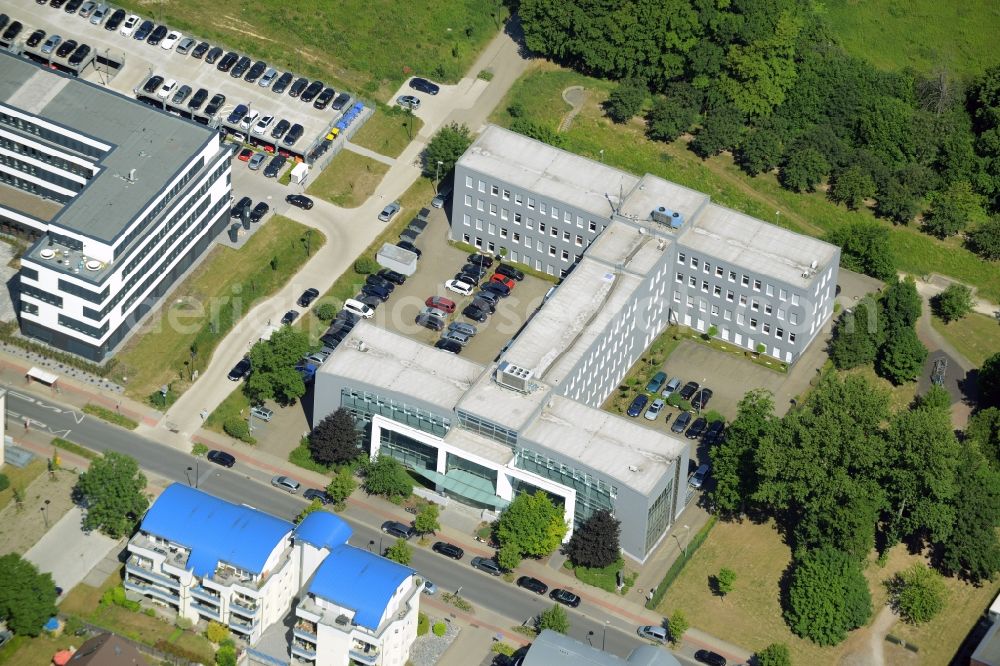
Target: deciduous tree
{"points": [[341, 486], [721, 130], [112, 492], [851, 186], [984, 240], [828, 596], [725, 580], [855, 338], [626, 100], [274, 375], [972, 550], [984, 431], [677, 625], [865, 249], [760, 151], [399, 551], [901, 357], [673, 113], [386, 476], [542, 133], [804, 169], [953, 303], [334, 440], [27, 598], [917, 593], [445, 147], [989, 382], [426, 521], [595, 542], [953, 209], [897, 201], [554, 619], [733, 459], [532, 524], [775, 654]]}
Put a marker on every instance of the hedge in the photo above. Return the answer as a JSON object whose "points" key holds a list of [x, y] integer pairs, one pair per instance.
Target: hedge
{"points": [[678, 565]]}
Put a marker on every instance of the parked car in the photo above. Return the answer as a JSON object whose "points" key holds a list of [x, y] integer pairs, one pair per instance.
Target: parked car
{"points": [[293, 135], [214, 54], [656, 382], [481, 260], [182, 94], [286, 483], [324, 98], [689, 390], [241, 205], [100, 13], [340, 102], [407, 245], [50, 44], [289, 317], [475, 314], [408, 102], [497, 287], [378, 291], [397, 529], [274, 166], [698, 478], [309, 94], [281, 84], [268, 78], [681, 422], [638, 404], [448, 550], [115, 20], [249, 119], [13, 30], [255, 72], [79, 55], [171, 40], [200, 50], [198, 99], [487, 565], [424, 86], [240, 67], [298, 86], [459, 287], [456, 336], [697, 428], [392, 276], [658, 634], [237, 114], [87, 8], [129, 25], [317, 494], [671, 387], [142, 32], [66, 48], [35, 38], [359, 309], [565, 597], [155, 37], [714, 432], [701, 398], [710, 658], [462, 327], [240, 371], [504, 280], [441, 303], [429, 588], [484, 304], [185, 45], [166, 89], [654, 410], [262, 413], [449, 346], [280, 128], [532, 585], [380, 281], [389, 211], [221, 458], [510, 271], [227, 61], [215, 104], [260, 127], [430, 321]]}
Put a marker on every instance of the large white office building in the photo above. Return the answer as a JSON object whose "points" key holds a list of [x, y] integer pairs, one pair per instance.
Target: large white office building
{"points": [[118, 199]]}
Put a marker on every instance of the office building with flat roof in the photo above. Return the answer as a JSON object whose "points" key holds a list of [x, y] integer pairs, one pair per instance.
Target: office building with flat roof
{"points": [[118, 198]]}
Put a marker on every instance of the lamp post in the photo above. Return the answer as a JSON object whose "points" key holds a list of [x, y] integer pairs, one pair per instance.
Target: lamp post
{"points": [[45, 513], [371, 544], [687, 531], [589, 635], [197, 473], [604, 637], [437, 174], [187, 474]]}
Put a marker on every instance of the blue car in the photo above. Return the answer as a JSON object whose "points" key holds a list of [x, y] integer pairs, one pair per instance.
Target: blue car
{"points": [[638, 404]]}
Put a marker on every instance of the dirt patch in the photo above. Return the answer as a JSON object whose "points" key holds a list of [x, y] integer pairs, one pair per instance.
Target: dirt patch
{"points": [[23, 526]]}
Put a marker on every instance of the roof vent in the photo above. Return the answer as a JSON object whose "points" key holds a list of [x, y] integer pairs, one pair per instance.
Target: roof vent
{"points": [[93, 265], [514, 377], [343, 620], [46, 253], [813, 264], [664, 215], [362, 347], [131, 176], [633, 468]]}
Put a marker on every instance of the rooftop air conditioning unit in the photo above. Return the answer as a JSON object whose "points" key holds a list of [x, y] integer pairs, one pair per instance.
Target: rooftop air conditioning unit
{"points": [[343, 620], [664, 215], [514, 377]]}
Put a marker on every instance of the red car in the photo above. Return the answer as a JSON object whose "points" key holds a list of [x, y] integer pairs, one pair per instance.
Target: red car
{"points": [[245, 154], [441, 303], [502, 279]]}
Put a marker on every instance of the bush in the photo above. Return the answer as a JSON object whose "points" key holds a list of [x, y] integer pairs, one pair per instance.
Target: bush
{"points": [[326, 311], [953, 303], [503, 648], [917, 593], [677, 625], [226, 656], [364, 265], [4, 482], [236, 427], [440, 628], [199, 449], [163, 645], [423, 624]]}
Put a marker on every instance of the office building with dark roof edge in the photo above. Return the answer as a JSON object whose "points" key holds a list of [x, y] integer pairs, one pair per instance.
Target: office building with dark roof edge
{"points": [[118, 199]]}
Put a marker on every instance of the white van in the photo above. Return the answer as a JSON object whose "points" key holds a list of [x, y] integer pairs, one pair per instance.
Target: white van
{"points": [[358, 308]]}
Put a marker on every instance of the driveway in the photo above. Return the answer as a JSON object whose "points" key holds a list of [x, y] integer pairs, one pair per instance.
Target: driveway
{"points": [[69, 553]]}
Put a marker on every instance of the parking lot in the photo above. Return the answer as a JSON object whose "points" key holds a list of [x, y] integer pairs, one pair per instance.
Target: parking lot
{"points": [[143, 60]]}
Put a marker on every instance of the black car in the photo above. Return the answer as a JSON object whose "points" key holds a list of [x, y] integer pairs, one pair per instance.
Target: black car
{"points": [[81, 52], [317, 494], [697, 428], [66, 48], [510, 271], [221, 458], [294, 134], [487, 306], [397, 529], [448, 550], [532, 584], [256, 71], [376, 290], [199, 98], [380, 281], [289, 317], [200, 50], [152, 84], [565, 597], [324, 98], [710, 658], [424, 86], [281, 84], [481, 260], [274, 167], [300, 84], [475, 314], [240, 371], [280, 129], [4, 20], [72, 6], [407, 245], [307, 297], [714, 432], [214, 54], [157, 35], [143, 31], [490, 297], [35, 38], [227, 61], [448, 346], [701, 398], [340, 102], [179, 96], [430, 321], [681, 422], [392, 276], [498, 288], [310, 93], [299, 201], [241, 66], [215, 104], [237, 210], [689, 390], [259, 211], [115, 20]]}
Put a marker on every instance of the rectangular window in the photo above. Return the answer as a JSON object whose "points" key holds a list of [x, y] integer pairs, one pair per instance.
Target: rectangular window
{"points": [[793, 318], [791, 338], [579, 222], [527, 241], [491, 247], [492, 229], [539, 245], [680, 277], [732, 276], [693, 282], [767, 308], [745, 280], [479, 224], [740, 318], [704, 286], [730, 295], [480, 205], [503, 232], [743, 300], [552, 250], [756, 285], [593, 226], [543, 208], [531, 203], [565, 255], [681, 258], [694, 262], [715, 310], [493, 209], [769, 290], [566, 236], [753, 324], [702, 305], [465, 238], [553, 232], [516, 237], [479, 243], [690, 301], [579, 240], [677, 297], [494, 190], [503, 213], [467, 220], [783, 294], [517, 218], [506, 195], [795, 299], [468, 181], [781, 313], [530, 224], [707, 267], [468, 200], [541, 227], [517, 199], [555, 212], [719, 271], [755, 305], [717, 291], [727, 315], [482, 187], [567, 217], [779, 333], [767, 328]]}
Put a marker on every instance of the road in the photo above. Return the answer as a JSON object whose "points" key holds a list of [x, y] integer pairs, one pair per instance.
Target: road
{"points": [[171, 465]]}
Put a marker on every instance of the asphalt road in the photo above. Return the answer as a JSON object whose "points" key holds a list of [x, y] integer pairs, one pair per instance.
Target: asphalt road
{"points": [[480, 589]]}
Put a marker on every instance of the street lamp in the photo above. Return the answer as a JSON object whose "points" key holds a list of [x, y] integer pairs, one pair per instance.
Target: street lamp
{"points": [[602, 155], [604, 637], [197, 473], [45, 513], [437, 173], [589, 634], [371, 544]]}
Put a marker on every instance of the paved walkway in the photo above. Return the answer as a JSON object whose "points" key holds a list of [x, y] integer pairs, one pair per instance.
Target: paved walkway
{"points": [[68, 552], [933, 284], [368, 152]]}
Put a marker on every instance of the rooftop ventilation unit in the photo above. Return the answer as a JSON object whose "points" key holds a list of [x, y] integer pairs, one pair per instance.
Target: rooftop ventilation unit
{"points": [[342, 620], [664, 215], [514, 377]]}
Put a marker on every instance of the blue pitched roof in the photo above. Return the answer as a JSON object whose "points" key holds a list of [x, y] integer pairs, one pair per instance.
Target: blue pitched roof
{"points": [[356, 579], [323, 530], [214, 529]]}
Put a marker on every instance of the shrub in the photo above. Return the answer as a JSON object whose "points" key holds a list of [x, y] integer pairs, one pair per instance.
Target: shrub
{"points": [[4, 482], [678, 624], [163, 645], [440, 628], [364, 265], [326, 311], [423, 624], [199, 449], [236, 427], [953, 303], [503, 648], [917, 593]]}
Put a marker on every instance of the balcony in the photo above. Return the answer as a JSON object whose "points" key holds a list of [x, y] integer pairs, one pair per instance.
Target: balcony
{"points": [[172, 555], [305, 630], [133, 566], [369, 655], [151, 590], [243, 606], [210, 612], [204, 594], [300, 649], [240, 625]]}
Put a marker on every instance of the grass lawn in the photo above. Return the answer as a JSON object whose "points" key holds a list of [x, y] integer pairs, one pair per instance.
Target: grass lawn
{"points": [[349, 179], [625, 146], [20, 478], [388, 131], [922, 34], [976, 336], [606, 578], [205, 307], [233, 405], [367, 46], [349, 283]]}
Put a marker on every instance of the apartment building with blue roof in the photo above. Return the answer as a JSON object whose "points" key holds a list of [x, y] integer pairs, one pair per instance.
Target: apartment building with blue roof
{"points": [[209, 559]]}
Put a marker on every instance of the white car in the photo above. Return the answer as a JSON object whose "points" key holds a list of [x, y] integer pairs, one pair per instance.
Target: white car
{"points": [[654, 410], [358, 308], [167, 88], [172, 38], [262, 124], [129, 26], [248, 120], [286, 483], [459, 287]]}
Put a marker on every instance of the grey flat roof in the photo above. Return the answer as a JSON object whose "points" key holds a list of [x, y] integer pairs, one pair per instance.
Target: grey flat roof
{"points": [[548, 171], [397, 363], [476, 444], [633, 454], [555, 649], [157, 145], [652, 192], [760, 247], [503, 406]]}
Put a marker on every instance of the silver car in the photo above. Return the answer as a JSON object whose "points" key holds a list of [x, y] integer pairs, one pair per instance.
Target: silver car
{"points": [[256, 161], [98, 16], [285, 483], [388, 212], [268, 77], [654, 410]]}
